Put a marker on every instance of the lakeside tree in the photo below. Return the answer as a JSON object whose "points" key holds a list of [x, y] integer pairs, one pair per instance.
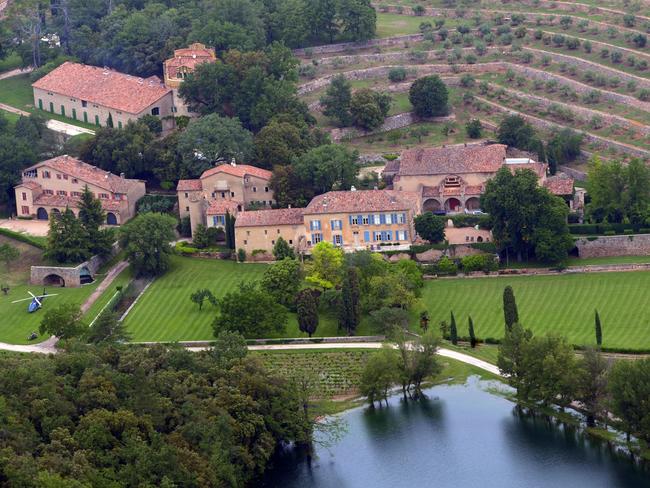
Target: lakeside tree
{"points": [[527, 219], [337, 99], [307, 311], [630, 389], [598, 329], [282, 281], [63, 321], [250, 311], [282, 250], [510, 312], [453, 331], [511, 357], [145, 240], [430, 227], [379, 375], [429, 97], [350, 309], [369, 108], [592, 385], [472, 335], [417, 361], [201, 295]]}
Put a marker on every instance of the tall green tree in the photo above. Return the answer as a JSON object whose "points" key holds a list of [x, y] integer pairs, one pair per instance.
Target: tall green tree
{"points": [[453, 330], [472, 335], [429, 97], [379, 375], [430, 227], [337, 99], [592, 384], [250, 311], [282, 280], [325, 168], [230, 231], [107, 328], [630, 389], [146, 241], [201, 295], [598, 329], [307, 311], [350, 309], [527, 219], [63, 321], [511, 357], [282, 250], [368, 108], [67, 241], [514, 131], [357, 19], [510, 312], [92, 217]]}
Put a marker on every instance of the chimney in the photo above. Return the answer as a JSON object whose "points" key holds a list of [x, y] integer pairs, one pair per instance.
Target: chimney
{"points": [[289, 206], [353, 188], [233, 163], [122, 175]]}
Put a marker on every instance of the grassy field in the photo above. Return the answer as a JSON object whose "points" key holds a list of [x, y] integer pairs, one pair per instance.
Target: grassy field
{"points": [[562, 304], [165, 312]]}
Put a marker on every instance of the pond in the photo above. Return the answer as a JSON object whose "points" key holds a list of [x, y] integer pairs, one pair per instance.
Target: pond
{"points": [[461, 436]]}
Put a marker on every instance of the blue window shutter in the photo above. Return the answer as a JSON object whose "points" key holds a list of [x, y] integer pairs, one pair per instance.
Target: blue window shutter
{"points": [[332, 222], [350, 217], [390, 235], [334, 239], [366, 236], [359, 219], [382, 219], [394, 218], [406, 235]]}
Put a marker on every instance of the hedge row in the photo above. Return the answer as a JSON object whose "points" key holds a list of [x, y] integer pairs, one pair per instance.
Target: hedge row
{"points": [[27, 239], [469, 220], [605, 229]]}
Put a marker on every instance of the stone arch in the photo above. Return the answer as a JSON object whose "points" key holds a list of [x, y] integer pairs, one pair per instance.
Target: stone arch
{"points": [[85, 276], [41, 214], [431, 205], [473, 203], [111, 218], [53, 280], [56, 212], [479, 239], [452, 204]]}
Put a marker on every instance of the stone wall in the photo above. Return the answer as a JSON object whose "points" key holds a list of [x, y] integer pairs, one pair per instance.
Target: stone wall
{"points": [[390, 123], [353, 46], [573, 173], [603, 246]]}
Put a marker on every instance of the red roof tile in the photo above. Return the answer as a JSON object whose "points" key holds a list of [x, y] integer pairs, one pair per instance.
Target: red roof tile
{"points": [[189, 185], [240, 170], [559, 184], [87, 173], [220, 207], [454, 160], [280, 216], [32, 185], [190, 58], [362, 201], [103, 86]]}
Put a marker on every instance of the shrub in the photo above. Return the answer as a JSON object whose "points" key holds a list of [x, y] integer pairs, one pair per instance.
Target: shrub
{"points": [[397, 74], [644, 95], [479, 262], [445, 267], [587, 46], [616, 57], [241, 255], [572, 43], [418, 10]]}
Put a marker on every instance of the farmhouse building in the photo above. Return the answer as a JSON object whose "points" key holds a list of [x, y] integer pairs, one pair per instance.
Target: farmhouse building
{"points": [[51, 186], [227, 188], [101, 96], [452, 179], [370, 219], [182, 64]]}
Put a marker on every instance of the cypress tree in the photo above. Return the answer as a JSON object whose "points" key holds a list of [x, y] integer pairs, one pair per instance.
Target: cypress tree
{"points": [[230, 231], [350, 310], [307, 311], [599, 330], [509, 308], [472, 335], [453, 332]]}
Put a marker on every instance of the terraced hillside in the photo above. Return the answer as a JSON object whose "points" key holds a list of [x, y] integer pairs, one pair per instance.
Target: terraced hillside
{"points": [[584, 65]]}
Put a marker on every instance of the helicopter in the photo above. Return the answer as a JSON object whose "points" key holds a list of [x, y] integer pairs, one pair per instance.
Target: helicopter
{"points": [[36, 300]]}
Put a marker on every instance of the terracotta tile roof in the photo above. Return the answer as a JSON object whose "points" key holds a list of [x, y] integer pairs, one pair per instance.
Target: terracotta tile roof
{"points": [[538, 168], [240, 170], [474, 189], [189, 58], [189, 185], [87, 173], [362, 201], [280, 216], [454, 160], [103, 86], [392, 167], [430, 191], [68, 201], [559, 184], [220, 207], [32, 185]]}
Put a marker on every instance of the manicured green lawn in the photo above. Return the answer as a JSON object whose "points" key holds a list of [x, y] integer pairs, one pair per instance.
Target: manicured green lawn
{"points": [[389, 25], [562, 304], [165, 312], [123, 280], [17, 92]]}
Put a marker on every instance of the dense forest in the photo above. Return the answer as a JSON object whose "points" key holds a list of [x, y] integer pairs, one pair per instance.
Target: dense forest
{"points": [[112, 416], [136, 36]]}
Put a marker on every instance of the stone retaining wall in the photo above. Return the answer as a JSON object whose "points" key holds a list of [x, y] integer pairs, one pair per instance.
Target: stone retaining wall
{"points": [[603, 246], [573, 173], [348, 46], [390, 123]]}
